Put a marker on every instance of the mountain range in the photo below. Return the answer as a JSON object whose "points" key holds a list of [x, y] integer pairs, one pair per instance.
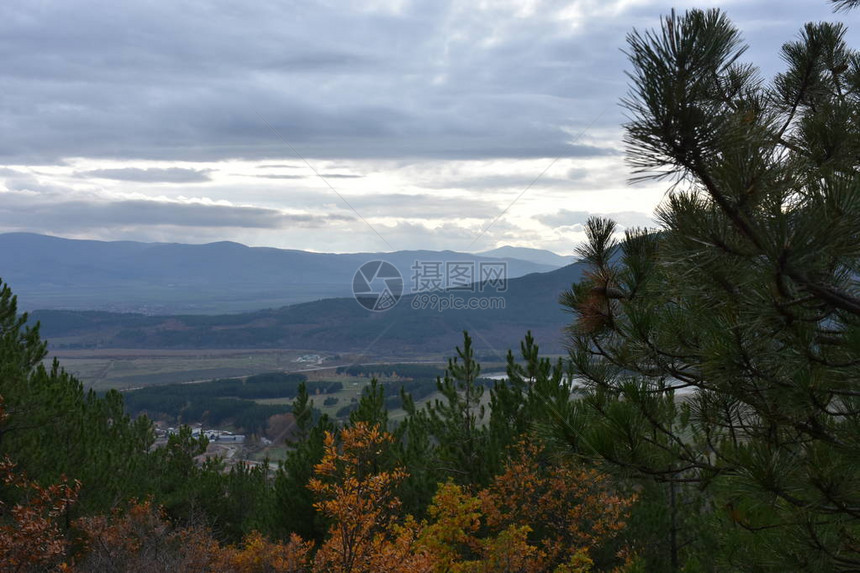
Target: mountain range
{"points": [[498, 321], [539, 256], [169, 278]]}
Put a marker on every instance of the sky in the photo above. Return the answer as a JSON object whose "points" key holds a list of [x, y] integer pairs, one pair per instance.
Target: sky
{"points": [[355, 126]]}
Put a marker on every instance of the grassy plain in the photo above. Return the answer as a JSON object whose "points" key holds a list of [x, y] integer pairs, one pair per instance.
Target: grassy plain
{"points": [[126, 369], [104, 369]]}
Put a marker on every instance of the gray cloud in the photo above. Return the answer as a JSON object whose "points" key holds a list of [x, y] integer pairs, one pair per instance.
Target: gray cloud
{"points": [[204, 82], [310, 175], [151, 175], [412, 235], [575, 174], [479, 182], [279, 176], [369, 88], [566, 218], [427, 80], [41, 214], [422, 206]]}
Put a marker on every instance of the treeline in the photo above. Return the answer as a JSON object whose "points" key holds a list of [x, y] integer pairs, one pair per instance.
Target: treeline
{"points": [[416, 380], [233, 400], [413, 371], [223, 401]]}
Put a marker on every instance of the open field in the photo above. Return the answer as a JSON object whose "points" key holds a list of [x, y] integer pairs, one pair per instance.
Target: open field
{"points": [[124, 369], [275, 453], [353, 387], [127, 369]]}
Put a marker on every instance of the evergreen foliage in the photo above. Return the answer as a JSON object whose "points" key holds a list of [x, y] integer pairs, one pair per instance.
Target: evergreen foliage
{"points": [[293, 507], [371, 407], [721, 352], [456, 420], [54, 428]]}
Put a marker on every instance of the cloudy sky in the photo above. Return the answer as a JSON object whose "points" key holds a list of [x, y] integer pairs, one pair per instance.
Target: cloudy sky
{"points": [[332, 126]]}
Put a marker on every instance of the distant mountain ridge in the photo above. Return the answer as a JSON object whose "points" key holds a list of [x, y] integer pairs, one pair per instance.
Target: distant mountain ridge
{"points": [[539, 256], [413, 326], [168, 278]]}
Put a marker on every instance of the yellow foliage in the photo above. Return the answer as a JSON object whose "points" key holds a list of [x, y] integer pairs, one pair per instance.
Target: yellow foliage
{"points": [[367, 535], [30, 538], [534, 518], [259, 555]]}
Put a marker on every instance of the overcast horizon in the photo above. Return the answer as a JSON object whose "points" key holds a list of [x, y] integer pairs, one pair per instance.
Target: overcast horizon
{"points": [[333, 127]]}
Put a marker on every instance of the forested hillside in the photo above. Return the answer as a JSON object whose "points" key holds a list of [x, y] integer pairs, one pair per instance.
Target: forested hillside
{"points": [[529, 302], [169, 278]]}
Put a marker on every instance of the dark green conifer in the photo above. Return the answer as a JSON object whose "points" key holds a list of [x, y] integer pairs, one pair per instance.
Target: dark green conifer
{"points": [[721, 352]]}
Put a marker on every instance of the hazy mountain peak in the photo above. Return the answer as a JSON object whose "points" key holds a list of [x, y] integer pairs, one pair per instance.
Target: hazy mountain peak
{"points": [[225, 276], [538, 256]]}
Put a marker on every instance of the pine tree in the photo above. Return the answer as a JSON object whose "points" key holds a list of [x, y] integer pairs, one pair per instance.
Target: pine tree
{"points": [[293, 508], [55, 428], [303, 412], [414, 449], [456, 421], [371, 407], [535, 391], [448, 438], [747, 299], [845, 4]]}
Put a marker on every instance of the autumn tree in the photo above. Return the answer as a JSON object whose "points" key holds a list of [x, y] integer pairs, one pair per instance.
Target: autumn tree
{"points": [[746, 300], [536, 516], [358, 495], [31, 536], [568, 507], [456, 536], [257, 554], [140, 538]]}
